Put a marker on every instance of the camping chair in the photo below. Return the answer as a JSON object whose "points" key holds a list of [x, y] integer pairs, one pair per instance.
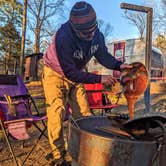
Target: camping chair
{"points": [[16, 116], [98, 98]]}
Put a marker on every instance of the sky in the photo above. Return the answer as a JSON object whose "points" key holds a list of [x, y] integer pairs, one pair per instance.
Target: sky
{"points": [[110, 12]]}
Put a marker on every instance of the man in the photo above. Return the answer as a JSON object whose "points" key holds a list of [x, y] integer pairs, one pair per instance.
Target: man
{"points": [[72, 47]]}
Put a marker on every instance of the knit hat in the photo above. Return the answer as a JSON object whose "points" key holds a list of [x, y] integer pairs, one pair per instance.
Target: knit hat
{"points": [[83, 16]]}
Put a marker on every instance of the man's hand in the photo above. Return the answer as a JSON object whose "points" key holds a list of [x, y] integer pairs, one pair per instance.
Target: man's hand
{"points": [[125, 66], [108, 80]]}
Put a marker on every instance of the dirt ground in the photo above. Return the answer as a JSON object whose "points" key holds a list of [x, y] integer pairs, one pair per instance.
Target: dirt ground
{"points": [[37, 158], [21, 149]]}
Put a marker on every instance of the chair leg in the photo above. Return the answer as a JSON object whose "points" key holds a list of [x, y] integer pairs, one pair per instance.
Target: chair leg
{"points": [[92, 112], [102, 112], [23, 144], [9, 144], [42, 133], [44, 123]]}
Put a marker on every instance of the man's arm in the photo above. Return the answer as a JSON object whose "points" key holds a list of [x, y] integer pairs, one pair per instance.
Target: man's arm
{"points": [[104, 57]]}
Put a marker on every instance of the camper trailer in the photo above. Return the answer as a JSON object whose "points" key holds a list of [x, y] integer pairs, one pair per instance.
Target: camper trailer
{"points": [[129, 51]]}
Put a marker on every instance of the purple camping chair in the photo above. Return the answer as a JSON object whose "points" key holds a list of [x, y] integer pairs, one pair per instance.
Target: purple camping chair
{"points": [[16, 116]]}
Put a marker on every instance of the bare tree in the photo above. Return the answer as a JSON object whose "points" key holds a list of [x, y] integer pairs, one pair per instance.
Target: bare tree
{"points": [[24, 20], [164, 3], [106, 29], [163, 16], [43, 12], [138, 19]]}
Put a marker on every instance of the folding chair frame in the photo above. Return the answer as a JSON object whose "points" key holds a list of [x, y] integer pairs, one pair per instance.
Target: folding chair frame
{"points": [[33, 119], [42, 133], [98, 100]]}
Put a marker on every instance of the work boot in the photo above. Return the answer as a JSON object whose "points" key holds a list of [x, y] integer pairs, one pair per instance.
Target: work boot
{"points": [[60, 163], [65, 160], [65, 163], [67, 157]]}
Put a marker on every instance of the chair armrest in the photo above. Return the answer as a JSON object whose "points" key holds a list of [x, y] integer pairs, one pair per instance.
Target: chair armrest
{"points": [[16, 97]]}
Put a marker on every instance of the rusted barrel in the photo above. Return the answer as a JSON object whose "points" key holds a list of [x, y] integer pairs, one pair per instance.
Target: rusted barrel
{"points": [[89, 146]]}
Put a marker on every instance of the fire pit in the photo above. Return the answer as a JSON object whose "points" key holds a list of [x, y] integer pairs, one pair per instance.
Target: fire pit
{"points": [[91, 143]]}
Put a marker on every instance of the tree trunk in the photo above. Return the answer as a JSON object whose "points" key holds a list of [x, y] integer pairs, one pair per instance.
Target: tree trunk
{"points": [[21, 70], [37, 40], [36, 49]]}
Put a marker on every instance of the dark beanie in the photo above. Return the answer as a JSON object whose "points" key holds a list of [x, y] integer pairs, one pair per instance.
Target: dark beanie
{"points": [[82, 16]]}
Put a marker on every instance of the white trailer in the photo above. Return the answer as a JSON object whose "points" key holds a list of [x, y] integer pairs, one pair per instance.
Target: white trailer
{"points": [[129, 51]]}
